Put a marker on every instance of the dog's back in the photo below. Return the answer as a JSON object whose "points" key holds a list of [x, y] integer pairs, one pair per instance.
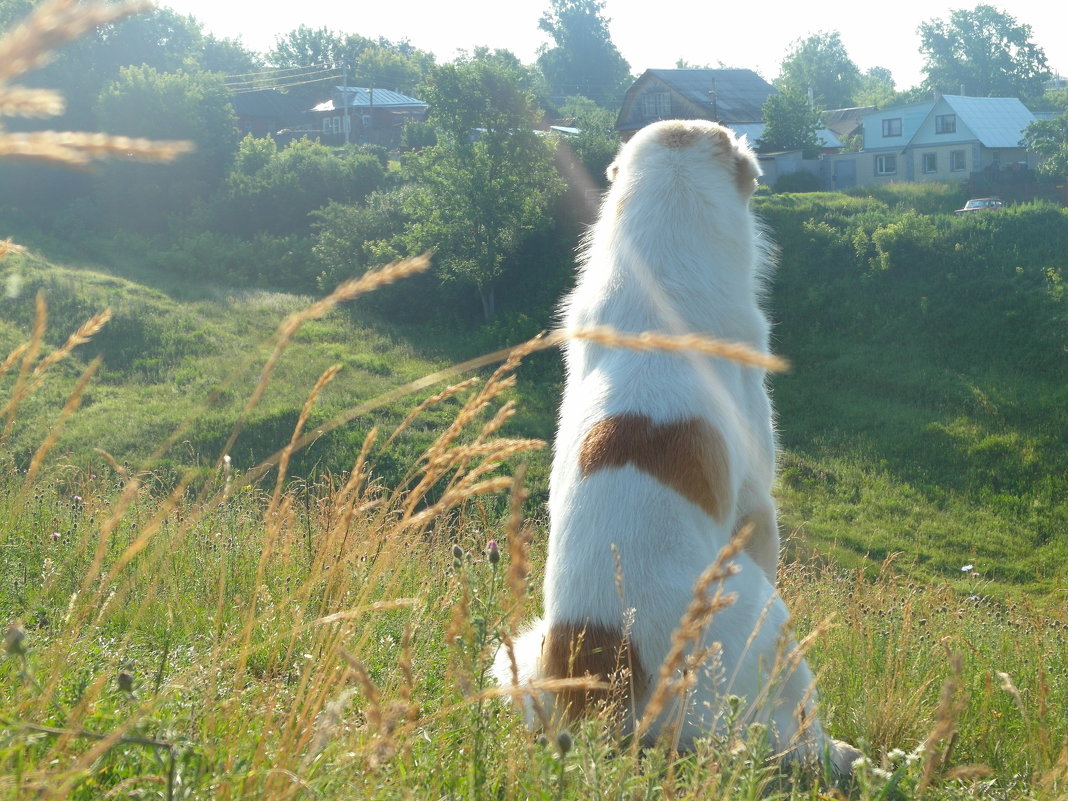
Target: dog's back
{"points": [[660, 458]]}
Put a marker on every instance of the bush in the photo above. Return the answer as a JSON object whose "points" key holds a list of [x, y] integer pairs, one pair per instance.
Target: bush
{"points": [[271, 190], [800, 181]]}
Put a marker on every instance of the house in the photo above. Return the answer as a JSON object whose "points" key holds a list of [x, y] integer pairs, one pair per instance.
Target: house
{"points": [[263, 112], [948, 139], [358, 114], [728, 96]]}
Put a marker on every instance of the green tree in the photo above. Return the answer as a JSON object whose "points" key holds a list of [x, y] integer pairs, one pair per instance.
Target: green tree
{"points": [[401, 68], [304, 47], [1049, 139], [821, 65], [598, 142], [583, 59], [158, 105], [790, 123], [487, 183], [984, 53], [876, 88]]}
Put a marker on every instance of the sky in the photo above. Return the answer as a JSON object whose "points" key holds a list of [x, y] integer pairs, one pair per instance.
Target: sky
{"points": [[648, 34]]}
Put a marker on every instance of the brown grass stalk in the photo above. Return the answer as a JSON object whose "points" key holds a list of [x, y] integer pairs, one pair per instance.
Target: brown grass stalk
{"points": [[8, 246], [302, 419], [78, 149], [73, 402], [347, 291], [21, 101], [51, 25], [26, 359], [695, 620], [938, 745]]}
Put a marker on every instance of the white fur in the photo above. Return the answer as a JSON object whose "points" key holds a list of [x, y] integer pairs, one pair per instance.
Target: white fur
{"points": [[676, 250]]}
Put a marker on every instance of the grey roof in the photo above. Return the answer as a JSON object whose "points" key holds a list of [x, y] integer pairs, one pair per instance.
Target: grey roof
{"points": [[739, 94], [845, 121], [359, 96], [995, 121], [269, 103]]}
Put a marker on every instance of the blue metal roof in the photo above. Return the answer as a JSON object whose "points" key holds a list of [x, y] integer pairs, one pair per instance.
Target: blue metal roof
{"points": [[995, 121], [358, 96]]}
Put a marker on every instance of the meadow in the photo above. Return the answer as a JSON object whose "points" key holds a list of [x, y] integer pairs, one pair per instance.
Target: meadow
{"points": [[198, 628], [260, 545]]}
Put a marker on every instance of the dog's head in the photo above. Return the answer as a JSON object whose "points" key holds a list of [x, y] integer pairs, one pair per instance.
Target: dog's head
{"points": [[698, 147]]}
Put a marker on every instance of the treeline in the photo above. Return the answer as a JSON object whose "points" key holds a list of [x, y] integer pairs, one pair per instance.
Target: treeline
{"points": [[477, 183], [500, 203]]}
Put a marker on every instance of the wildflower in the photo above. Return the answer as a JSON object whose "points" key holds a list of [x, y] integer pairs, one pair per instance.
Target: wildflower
{"points": [[966, 568], [457, 552], [564, 742], [54, 536], [493, 552], [125, 681], [15, 640]]}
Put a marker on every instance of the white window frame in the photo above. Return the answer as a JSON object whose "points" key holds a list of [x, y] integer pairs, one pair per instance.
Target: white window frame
{"points": [[891, 130], [886, 164], [931, 168], [954, 155], [656, 105], [946, 124]]}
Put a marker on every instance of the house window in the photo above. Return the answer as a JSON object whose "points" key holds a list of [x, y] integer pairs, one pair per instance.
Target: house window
{"points": [[957, 161], [892, 127], [946, 123], [327, 125], [886, 164], [656, 105], [930, 162]]}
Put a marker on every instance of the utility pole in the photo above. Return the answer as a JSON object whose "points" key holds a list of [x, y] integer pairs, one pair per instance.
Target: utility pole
{"points": [[347, 123]]}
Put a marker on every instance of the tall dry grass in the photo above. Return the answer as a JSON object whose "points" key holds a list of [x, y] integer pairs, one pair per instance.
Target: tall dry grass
{"points": [[270, 640], [32, 44]]}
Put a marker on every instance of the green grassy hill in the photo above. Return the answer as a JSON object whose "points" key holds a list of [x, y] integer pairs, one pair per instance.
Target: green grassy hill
{"points": [[330, 640], [924, 415], [181, 369]]}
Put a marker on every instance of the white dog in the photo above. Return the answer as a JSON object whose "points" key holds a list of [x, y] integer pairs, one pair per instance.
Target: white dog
{"points": [[660, 458]]}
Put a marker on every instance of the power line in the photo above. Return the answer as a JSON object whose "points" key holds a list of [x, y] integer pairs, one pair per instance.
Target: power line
{"points": [[282, 78], [284, 83], [277, 70]]}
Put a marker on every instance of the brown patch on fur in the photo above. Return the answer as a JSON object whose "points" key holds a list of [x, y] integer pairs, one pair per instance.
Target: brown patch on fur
{"points": [[572, 650], [689, 456], [677, 135], [680, 134]]}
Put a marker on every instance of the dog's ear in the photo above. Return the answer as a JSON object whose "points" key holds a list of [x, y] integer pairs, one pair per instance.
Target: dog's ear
{"points": [[746, 171], [746, 167], [612, 171]]}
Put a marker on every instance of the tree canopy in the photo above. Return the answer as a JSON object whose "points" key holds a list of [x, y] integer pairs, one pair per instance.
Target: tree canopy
{"points": [[488, 181], [583, 60], [983, 53], [165, 105], [790, 123], [1049, 139], [820, 64]]}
